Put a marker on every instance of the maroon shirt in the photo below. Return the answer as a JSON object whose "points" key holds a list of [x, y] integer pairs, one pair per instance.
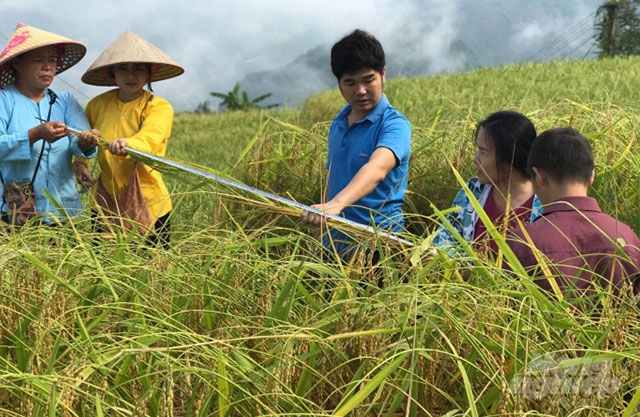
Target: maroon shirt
{"points": [[497, 217], [580, 253]]}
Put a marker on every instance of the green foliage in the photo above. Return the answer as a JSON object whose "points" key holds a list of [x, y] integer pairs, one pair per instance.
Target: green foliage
{"points": [[234, 100], [240, 317], [622, 18]]}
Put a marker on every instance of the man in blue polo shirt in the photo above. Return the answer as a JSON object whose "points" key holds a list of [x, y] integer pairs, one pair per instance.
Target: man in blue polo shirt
{"points": [[369, 145]]}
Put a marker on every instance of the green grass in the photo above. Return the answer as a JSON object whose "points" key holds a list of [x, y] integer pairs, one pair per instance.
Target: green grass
{"points": [[241, 317]]}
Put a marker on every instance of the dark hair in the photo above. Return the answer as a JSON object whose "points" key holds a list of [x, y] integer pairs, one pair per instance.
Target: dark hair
{"points": [[564, 154], [511, 135], [355, 51], [147, 65]]}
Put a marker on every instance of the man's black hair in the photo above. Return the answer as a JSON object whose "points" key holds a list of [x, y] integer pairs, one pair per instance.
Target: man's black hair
{"points": [[564, 154], [511, 134], [355, 51]]}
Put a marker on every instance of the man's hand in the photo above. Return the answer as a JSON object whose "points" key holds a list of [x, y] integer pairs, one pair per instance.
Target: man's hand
{"points": [[48, 131], [117, 146], [366, 179], [87, 140], [330, 207], [82, 175]]}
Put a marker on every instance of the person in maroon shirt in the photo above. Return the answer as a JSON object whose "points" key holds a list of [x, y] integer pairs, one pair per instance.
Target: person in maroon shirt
{"points": [[583, 247]]}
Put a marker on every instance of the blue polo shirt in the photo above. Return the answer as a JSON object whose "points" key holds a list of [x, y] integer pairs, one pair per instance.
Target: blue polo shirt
{"points": [[350, 147]]}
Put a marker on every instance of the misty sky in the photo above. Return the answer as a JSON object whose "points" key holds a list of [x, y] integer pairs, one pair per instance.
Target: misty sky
{"points": [[218, 42]]}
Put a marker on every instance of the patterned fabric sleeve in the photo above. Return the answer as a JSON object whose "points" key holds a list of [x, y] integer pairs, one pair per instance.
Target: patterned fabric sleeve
{"points": [[443, 237], [464, 219]]}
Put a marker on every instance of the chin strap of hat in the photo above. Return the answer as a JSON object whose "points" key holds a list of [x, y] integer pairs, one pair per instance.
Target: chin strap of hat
{"points": [[52, 99]]}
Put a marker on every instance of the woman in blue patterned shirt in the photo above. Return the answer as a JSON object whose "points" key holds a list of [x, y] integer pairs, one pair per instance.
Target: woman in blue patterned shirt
{"points": [[502, 185]]}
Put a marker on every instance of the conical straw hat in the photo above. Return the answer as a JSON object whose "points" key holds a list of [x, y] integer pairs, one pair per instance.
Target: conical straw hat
{"points": [[130, 47], [27, 38]]}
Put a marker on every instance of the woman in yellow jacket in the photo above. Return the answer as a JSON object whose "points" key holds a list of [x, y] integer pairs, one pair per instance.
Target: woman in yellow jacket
{"points": [[130, 116]]}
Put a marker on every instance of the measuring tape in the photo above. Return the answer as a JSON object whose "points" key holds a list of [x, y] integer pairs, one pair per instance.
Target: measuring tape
{"points": [[253, 190]]}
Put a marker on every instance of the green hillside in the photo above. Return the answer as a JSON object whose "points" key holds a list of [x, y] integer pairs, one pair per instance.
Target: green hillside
{"points": [[240, 317], [598, 98]]}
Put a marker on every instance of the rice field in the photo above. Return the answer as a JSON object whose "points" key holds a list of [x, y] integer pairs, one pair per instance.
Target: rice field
{"points": [[240, 316]]}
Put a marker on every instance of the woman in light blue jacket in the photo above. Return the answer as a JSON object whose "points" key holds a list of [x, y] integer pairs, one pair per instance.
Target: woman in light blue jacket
{"points": [[34, 142]]}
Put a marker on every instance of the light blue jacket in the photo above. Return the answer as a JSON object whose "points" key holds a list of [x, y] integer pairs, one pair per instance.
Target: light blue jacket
{"points": [[464, 220], [18, 158]]}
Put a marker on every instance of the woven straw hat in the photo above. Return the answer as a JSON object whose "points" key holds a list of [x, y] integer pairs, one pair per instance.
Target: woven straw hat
{"points": [[27, 38], [130, 47]]}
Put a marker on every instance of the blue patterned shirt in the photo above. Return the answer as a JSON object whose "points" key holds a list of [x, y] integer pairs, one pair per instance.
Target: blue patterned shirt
{"points": [[464, 220]]}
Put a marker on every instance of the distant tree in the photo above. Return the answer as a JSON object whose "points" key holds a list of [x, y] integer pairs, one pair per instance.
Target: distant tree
{"points": [[233, 100], [618, 28], [203, 108]]}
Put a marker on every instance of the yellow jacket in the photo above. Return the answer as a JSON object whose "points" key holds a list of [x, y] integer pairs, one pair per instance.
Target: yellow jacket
{"points": [[116, 119]]}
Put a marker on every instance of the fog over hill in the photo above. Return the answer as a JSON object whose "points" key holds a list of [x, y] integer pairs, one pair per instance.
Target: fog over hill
{"points": [[437, 36]]}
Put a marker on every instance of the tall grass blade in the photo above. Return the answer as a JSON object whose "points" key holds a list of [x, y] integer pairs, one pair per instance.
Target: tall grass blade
{"points": [[224, 390], [359, 396]]}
